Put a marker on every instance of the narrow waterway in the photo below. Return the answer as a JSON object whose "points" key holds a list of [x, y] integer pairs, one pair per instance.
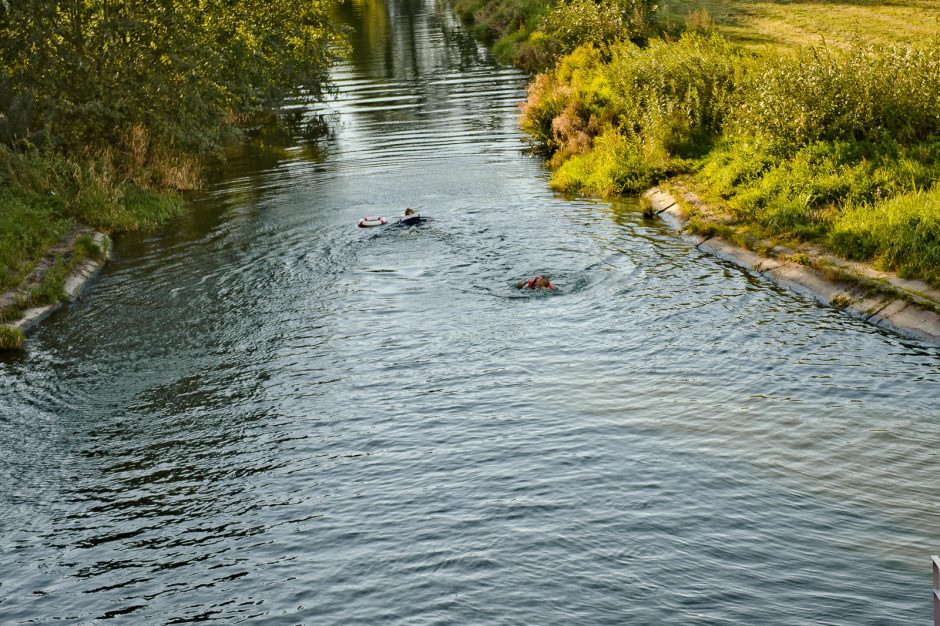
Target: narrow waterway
{"points": [[264, 414]]}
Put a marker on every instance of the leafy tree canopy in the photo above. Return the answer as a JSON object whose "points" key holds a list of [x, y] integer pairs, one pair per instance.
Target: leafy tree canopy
{"points": [[80, 74]]}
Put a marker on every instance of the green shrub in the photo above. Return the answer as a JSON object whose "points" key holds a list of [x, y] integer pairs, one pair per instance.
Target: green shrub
{"points": [[508, 23], [665, 101], [821, 94], [86, 248], [615, 165], [80, 75], [533, 34], [11, 314], [675, 93], [571, 24]]}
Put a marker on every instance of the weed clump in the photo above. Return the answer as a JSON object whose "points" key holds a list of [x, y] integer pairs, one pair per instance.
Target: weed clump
{"points": [[11, 338], [86, 248], [50, 288], [11, 313]]}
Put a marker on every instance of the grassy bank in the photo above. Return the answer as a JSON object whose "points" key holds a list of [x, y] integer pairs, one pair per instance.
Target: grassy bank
{"points": [[45, 197], [797, 121], [505, 24], [837, 147]]}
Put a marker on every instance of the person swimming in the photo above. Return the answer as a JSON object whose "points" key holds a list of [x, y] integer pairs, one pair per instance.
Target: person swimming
{"points": [[410, 218], [536, 282]]}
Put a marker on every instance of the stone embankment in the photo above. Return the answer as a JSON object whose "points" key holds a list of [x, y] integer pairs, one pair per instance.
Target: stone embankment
{"points": [[909, 307], [80, 275]]}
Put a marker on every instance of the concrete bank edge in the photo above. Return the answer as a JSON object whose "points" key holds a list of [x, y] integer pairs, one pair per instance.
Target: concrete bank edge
{"points": [[74, 284], [896, 314]]}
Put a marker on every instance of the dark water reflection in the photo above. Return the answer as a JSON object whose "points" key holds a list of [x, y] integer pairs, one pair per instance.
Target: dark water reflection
{"points": [[263, 414]]}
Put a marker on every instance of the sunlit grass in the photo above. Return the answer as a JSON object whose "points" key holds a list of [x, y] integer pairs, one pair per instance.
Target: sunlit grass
{"points": [[900, 234], [757, 24]]}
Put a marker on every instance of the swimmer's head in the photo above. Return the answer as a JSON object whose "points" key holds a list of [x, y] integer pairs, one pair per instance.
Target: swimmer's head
{"points": [[537, 282], [409, 211]]}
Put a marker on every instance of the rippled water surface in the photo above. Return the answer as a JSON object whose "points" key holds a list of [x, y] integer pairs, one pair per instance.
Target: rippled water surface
{"points": [[264, 414]]}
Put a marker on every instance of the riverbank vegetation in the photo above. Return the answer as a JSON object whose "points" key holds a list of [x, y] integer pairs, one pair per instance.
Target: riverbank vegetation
{"points": [[787, 134], [532, 34], [108, 110]]}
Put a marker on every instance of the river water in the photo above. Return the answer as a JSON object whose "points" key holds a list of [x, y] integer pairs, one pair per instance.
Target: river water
{"points": [[263, 414]]}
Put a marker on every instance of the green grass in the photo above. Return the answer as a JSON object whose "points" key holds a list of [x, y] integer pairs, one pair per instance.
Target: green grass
{"points": [[86, 248], [795, 23], [11, 314], [50, 288], [43, 197], [11, 338], [614, 165], [900, 234], [131, 209], [29, 225]]}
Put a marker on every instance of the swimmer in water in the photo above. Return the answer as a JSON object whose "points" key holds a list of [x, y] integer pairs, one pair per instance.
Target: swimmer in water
{"points": [[410, 218], [536, 282]]}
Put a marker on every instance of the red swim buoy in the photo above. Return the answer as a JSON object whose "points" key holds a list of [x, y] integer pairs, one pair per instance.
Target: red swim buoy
{"points": [[372, 221]]}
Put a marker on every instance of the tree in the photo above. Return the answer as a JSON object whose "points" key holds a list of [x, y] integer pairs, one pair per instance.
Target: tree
{"points": [[81, 74]]}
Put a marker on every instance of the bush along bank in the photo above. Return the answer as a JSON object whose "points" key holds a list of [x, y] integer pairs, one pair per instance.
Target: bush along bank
{"points": [[109, 111], [50, 208]]}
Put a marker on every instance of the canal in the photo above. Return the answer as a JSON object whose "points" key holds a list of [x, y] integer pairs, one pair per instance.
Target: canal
{"points": [[264, 414]]}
